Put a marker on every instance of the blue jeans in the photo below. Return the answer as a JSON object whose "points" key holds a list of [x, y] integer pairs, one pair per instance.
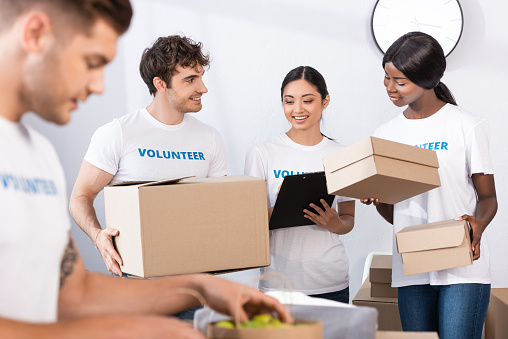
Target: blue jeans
{"points": [[342, 296], [454, 311]]}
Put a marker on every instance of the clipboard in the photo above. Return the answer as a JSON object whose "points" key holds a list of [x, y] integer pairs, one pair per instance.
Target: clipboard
{"points": [[295, 194]]}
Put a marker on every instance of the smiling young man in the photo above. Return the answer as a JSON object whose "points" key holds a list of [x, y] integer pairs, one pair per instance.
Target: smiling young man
{"points": [[158, 142], [52, 56]]}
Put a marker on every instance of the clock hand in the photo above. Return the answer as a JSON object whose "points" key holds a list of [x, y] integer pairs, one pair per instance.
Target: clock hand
{"points": [[416, 23], [429, 25]]}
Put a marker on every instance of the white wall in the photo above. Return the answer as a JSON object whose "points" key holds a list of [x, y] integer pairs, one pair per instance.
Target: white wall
{"points": [[254, 44]]}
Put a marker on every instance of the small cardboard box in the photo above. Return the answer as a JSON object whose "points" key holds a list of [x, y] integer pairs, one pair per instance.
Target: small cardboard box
{"points": [[378, 168], [388, 308], [190, 225], [406, 335], [383, 290], [381, 277], [311, 330], [496, 322], [435, 246]]}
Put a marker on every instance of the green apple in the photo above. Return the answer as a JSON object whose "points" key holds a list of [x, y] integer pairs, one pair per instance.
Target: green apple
{"points": [[225, 324]]}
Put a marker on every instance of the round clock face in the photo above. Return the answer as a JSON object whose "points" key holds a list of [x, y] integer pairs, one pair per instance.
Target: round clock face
{"points": [[442, 19]]}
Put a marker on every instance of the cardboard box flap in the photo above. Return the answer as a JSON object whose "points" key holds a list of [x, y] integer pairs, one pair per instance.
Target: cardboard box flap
{"points": [[148, 183], [128, 183], [442, 234], [165, 182], [372, 145]]}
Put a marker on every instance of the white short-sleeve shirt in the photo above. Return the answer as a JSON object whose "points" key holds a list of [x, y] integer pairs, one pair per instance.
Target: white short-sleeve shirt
{"points": [[139, 147], [312, 258], [461, 142], [34, 224]]}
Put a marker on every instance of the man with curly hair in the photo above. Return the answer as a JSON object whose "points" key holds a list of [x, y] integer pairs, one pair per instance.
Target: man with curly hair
{"points": [[158, 142]]}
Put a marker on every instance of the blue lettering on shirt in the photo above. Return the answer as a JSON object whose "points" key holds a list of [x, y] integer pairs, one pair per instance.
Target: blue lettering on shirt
{"points": [[150, 153], [436, 145], [284, 173], [35, 186]]}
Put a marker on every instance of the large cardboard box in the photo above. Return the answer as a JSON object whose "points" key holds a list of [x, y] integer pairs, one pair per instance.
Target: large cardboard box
{"points": [[388, 308], [190, 225], [435, 246], [380, 276], [378, 168], [496, 322]]}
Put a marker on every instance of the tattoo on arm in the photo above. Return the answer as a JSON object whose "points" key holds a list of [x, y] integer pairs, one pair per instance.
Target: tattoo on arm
{"points": [[69, 259]]}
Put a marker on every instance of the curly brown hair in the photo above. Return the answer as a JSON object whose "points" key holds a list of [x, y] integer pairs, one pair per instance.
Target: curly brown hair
{"points": [[166, 54]]}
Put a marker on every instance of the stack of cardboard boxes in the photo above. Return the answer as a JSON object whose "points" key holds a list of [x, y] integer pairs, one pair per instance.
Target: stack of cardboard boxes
{"points": [[377, 292], [381, 277]]}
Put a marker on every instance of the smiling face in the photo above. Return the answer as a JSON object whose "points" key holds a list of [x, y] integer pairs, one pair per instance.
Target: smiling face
{"points": [[303, 105], [186, 89], [400, 89], [61, 75]]}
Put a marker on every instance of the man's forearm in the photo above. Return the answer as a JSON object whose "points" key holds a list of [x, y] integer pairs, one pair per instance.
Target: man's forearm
{"points": [[101, 294], [97, 327], [83, 212]]}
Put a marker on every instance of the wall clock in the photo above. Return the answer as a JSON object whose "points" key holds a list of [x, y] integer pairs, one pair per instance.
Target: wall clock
{"points": [[442, 19]]}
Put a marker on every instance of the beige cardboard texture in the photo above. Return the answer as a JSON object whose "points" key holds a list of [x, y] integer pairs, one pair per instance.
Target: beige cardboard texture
{"points": [[383, 169], [496, 322], [195, 225], [435, 246], [311, 330], [388, 308], [384, 290], [385, 148], [380, 277], [381, 269]]}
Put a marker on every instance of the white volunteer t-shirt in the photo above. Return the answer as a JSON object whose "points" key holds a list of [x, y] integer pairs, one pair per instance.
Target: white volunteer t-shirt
{"points": [[461, 142], [34, 224], [312, 258], [139, 147]]}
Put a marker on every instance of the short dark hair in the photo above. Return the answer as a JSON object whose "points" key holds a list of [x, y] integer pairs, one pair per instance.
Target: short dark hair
{"points": [[166, 53], [79, 15], [421, 59]]}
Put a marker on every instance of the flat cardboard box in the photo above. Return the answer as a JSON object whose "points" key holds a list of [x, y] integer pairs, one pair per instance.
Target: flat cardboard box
{"points": [[382, 169], [311, 330], [406, 335], [496, 322], [388, 308], [435, 246], [190, 225], [380, 276]]}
